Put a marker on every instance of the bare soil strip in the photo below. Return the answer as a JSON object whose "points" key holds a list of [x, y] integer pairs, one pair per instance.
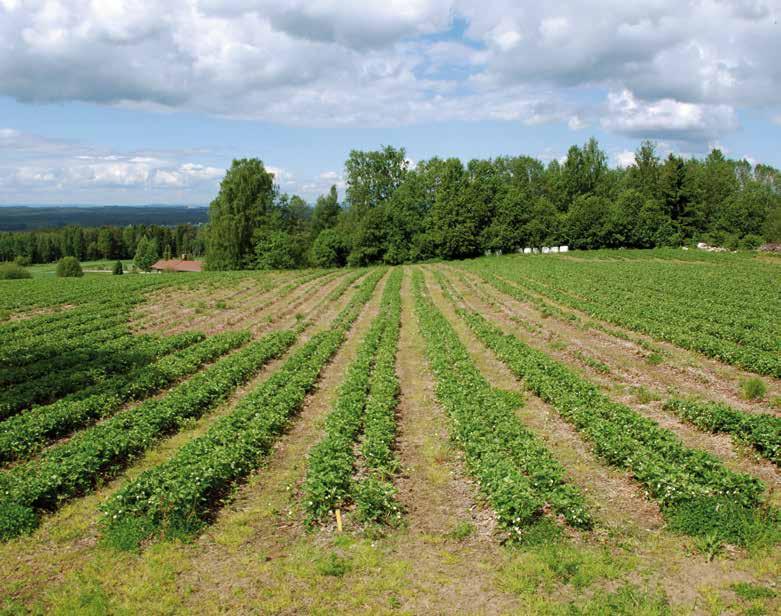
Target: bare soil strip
{"points": [[201, 310]]}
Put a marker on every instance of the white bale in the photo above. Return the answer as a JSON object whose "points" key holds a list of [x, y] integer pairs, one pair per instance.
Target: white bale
{"points": [[527, 251], [563, 248], [535, 250], [554, 249], [545, 250]]}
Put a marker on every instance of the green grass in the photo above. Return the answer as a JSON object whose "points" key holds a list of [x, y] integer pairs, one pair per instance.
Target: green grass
{"points": [[753, 389], [43, 270]]}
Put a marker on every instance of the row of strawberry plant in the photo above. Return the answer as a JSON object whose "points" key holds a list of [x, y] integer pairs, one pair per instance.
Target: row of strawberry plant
{"points": [[698, 316], [760, 431], [331, 462], [658, 319], [697, 494], [136, 351], [22, 436], [546, 309], [24, 353], [61, 320], [374, 492], [177, 497], [107, 356], [75, 466], [345, 284], [710, 310], [39, 293], [513, 467]]}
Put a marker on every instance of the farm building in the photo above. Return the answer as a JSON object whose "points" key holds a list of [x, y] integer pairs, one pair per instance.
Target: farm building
{"points": [[177, 265]]}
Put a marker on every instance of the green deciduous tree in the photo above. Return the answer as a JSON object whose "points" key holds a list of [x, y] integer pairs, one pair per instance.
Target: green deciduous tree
{"points": [[245, 199], [329, 249], [274, 250], [326, 212], [146, 254]]}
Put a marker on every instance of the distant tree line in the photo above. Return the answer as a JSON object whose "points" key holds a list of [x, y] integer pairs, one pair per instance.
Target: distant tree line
{"points": [[91, 243], [441, 208]]}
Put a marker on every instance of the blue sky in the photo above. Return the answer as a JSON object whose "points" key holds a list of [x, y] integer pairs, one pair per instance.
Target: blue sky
{"points": [[120, 102]]}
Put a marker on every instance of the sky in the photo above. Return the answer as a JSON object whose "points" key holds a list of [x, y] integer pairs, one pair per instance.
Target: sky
{"points": [[132, 102]]}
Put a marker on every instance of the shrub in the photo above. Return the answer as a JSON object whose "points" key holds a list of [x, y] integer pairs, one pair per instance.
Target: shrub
{"points": [[69, 267], [753, 389], [23, 261], [328, 250], [117, 269], [13, 271]]}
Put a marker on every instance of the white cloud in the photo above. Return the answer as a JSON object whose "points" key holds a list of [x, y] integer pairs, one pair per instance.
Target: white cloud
{"points": [[624, 158], [282, 177], [325, 63], [31, 165], [667, 118]]}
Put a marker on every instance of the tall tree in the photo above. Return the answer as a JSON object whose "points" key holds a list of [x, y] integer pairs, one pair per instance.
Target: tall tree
{"points": [[245, 199], [643, 176], [583, 170], [146, 254], [326, 212], [373, 177]]}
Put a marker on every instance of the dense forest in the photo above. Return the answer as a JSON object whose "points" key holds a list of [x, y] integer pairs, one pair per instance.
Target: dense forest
{"points": [[393, 213], [108, 242], [440, 208]]}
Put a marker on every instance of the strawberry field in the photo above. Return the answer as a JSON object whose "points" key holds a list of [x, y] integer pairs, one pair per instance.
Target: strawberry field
{"points": [[581, 433]]}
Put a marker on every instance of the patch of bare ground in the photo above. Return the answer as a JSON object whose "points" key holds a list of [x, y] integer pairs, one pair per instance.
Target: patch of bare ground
{"points": [[25, 315], [41, 568], [210, 307], [630, 379], [168, 306], [296, 304]]}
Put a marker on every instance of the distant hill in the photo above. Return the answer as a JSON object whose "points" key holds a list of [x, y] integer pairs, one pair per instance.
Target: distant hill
{"points": [[27, 218]]}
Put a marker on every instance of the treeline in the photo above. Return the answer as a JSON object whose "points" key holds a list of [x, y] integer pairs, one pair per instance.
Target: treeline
{"points": [[91, 243], [442, 208]]}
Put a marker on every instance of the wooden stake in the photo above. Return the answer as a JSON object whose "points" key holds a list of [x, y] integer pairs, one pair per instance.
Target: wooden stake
{"points": [[339, 520]]}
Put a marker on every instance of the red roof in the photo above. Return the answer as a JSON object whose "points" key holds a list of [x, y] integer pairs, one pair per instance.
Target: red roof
{"points": [[177, 265]]}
